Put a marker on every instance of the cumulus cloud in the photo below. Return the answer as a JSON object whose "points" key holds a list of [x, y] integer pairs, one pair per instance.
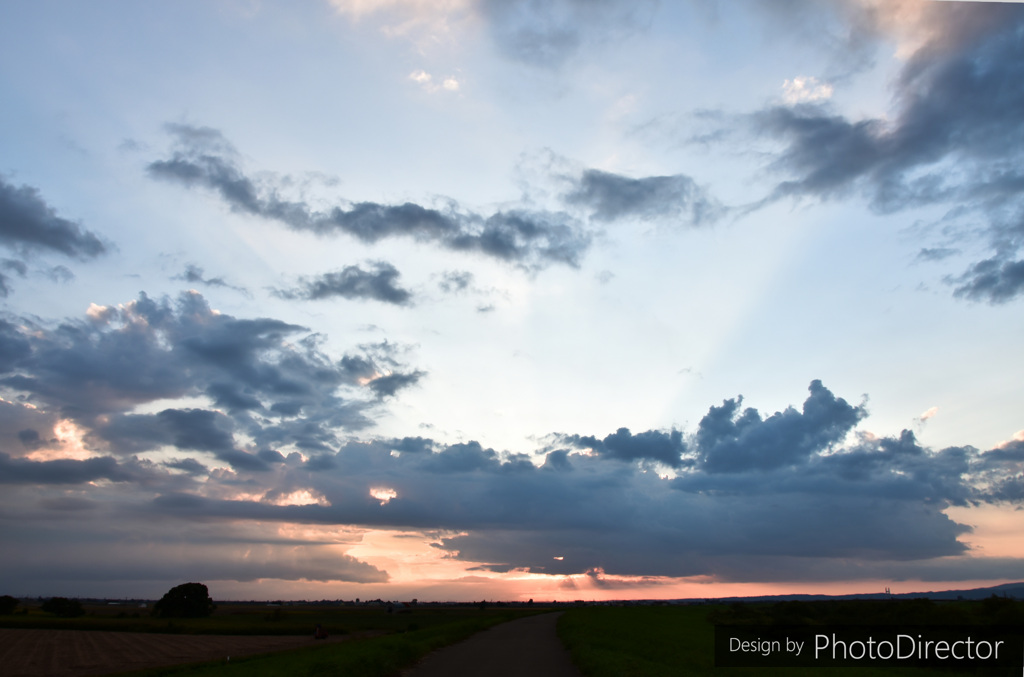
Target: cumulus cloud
{"points": [[204, 158], [352, 282], [729, 440], [953, 141]]}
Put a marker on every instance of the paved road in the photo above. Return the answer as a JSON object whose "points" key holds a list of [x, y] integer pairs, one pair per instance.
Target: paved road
{"points": [[527, 647]]}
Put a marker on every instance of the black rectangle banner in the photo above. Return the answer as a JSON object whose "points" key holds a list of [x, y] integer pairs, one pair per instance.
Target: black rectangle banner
{"points": [[806, 646]]}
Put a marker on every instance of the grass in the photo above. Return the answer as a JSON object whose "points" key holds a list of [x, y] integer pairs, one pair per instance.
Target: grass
{"points": [[656, 641], [381, 656], [250, 619]]}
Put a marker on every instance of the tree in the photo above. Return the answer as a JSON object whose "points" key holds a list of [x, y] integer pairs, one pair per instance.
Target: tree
{"points": [[7, 605], [188, 600], [63, 607]]}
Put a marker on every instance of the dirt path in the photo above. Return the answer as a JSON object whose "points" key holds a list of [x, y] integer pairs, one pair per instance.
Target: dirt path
{"points": [[74, 653], [527, 647]]}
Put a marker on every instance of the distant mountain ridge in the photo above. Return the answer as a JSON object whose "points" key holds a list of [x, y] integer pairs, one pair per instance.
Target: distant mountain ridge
{"points": [[1012, 590]]}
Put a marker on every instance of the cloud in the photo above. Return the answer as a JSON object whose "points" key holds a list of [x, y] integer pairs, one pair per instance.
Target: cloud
{"points": [[548, 34], [936, 253], [805, 89], [193, 274], [953, 140], [454, 281], [19, 269], [426, 81], [665, 448], [29, 224], [730, 441], [64, 471], [156, 553], [204, 158], [275, 386], [993, 280], [353, 282], [612, 196], [749, 496]]}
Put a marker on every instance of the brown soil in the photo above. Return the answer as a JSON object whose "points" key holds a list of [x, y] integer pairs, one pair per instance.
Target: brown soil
{"points": [[69, 653], [527, 646]]}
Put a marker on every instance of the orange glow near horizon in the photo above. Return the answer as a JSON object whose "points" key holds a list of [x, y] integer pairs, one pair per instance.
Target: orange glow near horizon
{"points": [[996, 529], [419, 569]]}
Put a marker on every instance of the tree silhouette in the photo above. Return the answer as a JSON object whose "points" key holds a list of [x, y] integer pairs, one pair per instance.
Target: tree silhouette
{"points": [[8, 604], [63, 607], [188, 600]]}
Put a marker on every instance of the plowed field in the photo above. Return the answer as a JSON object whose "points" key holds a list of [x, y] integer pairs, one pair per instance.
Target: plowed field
{"points": [[69, 653]]}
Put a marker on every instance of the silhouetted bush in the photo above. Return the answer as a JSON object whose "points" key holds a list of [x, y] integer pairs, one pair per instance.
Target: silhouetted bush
{"points": [[63, 607], [7, 605], [188, 600]]}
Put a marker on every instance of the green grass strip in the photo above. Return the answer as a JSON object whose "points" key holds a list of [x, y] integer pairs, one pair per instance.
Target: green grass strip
{"points": [[655, 641]]}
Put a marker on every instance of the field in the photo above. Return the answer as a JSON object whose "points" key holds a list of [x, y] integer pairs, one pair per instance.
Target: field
{"points": [[605, 641], [663, 641], [380, 643]]}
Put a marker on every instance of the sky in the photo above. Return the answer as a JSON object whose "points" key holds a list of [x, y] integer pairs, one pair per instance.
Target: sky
{"points": [[507, 299]]}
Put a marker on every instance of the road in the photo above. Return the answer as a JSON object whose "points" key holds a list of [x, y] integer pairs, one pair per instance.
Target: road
{"points": [[527, 647]]}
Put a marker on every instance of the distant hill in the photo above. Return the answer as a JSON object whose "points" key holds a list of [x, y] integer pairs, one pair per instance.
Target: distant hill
{"points": [[1012, 590]]}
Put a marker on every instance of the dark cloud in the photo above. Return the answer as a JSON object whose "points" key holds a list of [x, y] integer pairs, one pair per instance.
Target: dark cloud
{"points": [[30, 439], [992, 280], [185, 429], [729, 440], [188, 465], [276, 386], [666, 448], [29, 224], [378, 284], [744, 497], [955, 140], [14, 346], [413, 445], [613, 196], [161, 558], [530, 239], [388, 385], [64, 471]]}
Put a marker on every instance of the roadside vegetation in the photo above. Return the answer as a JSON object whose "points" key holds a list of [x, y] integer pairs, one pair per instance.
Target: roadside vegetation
{"points": [[664, 641]]}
